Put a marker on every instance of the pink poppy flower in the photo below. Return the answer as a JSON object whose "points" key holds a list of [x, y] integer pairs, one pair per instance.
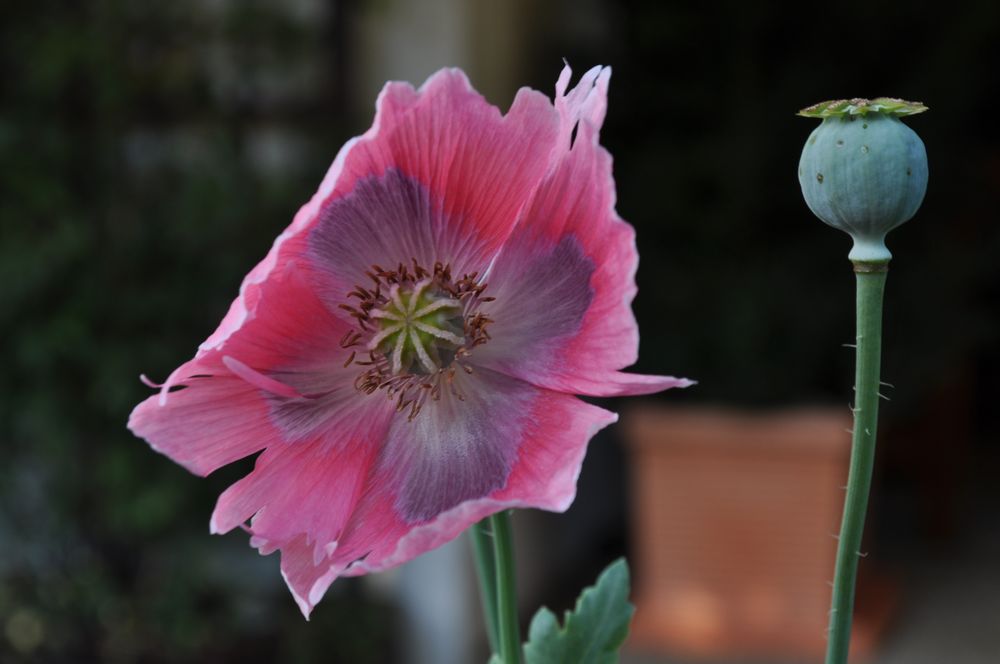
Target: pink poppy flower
{"points": [[407, 353]]}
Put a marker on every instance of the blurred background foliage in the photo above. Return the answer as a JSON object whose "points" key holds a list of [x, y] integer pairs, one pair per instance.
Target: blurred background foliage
{"points": [[151, 151]]}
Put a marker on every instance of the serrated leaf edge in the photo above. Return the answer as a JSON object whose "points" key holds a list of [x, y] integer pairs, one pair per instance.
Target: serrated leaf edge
{"points": [[619, 566]]}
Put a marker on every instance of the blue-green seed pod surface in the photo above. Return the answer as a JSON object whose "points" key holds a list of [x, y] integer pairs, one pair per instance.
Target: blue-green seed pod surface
{"points": [[864, 173]]}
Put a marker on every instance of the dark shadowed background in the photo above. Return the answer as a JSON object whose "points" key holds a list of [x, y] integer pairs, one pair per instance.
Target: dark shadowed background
{"points": [[151, 151]]}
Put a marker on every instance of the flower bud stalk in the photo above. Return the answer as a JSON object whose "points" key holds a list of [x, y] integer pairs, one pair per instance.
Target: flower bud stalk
{"points": [[864, 172], [870, 289]]}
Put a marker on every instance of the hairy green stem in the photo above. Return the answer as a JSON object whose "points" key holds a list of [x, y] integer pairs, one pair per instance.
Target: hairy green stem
{"points": [[482, 549], [503, 555], [871, 286]]}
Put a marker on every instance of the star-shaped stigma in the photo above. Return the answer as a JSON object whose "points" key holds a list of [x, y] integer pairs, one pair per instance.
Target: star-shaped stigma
{"points": [[420, 329]]}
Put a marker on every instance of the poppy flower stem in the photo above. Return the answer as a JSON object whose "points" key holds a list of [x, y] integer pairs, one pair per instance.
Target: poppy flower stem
{"points": [[870, 288], [506, 586], [482, 549]]}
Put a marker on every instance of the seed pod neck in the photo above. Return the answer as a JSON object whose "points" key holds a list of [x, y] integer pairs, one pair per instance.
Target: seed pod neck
{"points": [[869, 249]]}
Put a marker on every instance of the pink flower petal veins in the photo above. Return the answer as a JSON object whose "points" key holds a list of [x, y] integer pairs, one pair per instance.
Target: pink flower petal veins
{"points": [[345, 484], [456, 450], [451, 139], [482, 166], [290, 492], [551, 449], [210, 423], [222, 415], [538, 278], [346, 528], [587, 102], [259, 380]]}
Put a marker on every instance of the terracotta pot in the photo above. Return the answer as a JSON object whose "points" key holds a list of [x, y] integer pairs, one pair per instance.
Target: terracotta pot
{"points": [[733, 521]]}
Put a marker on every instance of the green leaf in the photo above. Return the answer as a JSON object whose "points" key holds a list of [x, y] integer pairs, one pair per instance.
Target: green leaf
{"points": [[593, 631]]}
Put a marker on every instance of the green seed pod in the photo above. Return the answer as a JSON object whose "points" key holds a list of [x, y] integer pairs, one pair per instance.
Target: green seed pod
{"points": [[864, 171]]}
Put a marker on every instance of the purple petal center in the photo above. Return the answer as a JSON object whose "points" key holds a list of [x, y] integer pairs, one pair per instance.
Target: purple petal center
{"points": [[458, 449]]}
